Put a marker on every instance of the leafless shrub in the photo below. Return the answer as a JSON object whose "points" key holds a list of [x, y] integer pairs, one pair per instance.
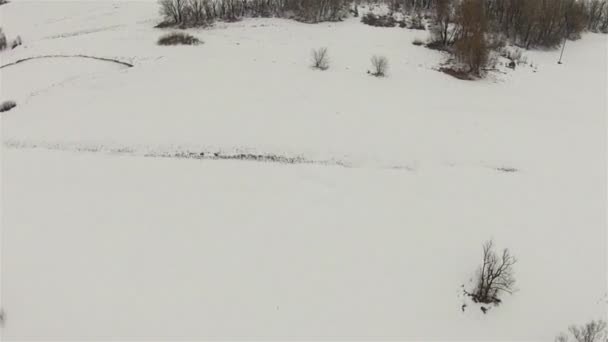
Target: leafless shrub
{"points": [[7, 105], [178, 38], [495, 275], [379, 66], [16, 42], [320, 59], [594, 331], [561, 338], [2, 40]]}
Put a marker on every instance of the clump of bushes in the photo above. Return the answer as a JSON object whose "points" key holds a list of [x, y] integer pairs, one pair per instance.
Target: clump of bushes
{"points": [[16, 42], [178, 38], [379, 20], [379, 66], [320, 59], [4, 43], [2, 40], [7, 105]]}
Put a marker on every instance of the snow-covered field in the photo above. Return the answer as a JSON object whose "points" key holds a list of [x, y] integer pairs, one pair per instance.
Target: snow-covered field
{"points": [[115, 226]]}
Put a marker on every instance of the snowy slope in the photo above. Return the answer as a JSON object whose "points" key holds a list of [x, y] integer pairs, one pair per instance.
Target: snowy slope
{"points": [[370, 237]]}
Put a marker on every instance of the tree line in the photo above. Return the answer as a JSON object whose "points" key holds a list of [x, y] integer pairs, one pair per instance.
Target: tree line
{"points": [[472, 28], [188, 13]]}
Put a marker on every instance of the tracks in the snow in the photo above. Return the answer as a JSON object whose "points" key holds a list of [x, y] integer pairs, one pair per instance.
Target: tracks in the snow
{"points": [[176, 153], [104, 59], [196, 153]]}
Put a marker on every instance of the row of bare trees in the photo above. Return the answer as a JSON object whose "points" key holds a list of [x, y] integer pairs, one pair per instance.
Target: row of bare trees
{"points": [[528, 23], [471, 28], [189, 13]]}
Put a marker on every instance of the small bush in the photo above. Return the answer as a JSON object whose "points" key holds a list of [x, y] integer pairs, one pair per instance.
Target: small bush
{"points": [[379, 66], [16, 42], [178, 38], [7, 105], [494, 276], [2, 40], [320, 59], [418, 42]]}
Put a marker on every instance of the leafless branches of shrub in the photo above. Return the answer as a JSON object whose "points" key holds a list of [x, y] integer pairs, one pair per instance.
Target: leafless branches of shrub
{"points": [[495, 275], [320, 59], [594, 331], [2, 40], [379, 66]]}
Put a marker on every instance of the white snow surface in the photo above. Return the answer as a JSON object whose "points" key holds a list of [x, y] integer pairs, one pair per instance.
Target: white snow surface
{"points": [[110, 230]]}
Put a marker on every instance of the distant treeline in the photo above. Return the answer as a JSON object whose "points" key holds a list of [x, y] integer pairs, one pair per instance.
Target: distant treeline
{"points": [[189, 13], [526, 23]]}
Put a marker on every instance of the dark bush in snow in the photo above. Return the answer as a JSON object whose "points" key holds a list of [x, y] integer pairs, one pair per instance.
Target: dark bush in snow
{"points": [[2, 2], [494, 276], [379, 20], [320, 59], [457, 73], [417, 42], [16, 42], [7, 105], [379, 66], [178, 38], [2, 40]]}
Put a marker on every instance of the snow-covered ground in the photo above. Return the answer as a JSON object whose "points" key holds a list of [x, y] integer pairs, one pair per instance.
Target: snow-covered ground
{"points": [[111, 229]]}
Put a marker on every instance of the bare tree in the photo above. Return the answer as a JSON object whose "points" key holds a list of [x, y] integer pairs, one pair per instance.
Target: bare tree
{"points": [[495, 275], [443, 18], [172, 10], [320, 59], [561, 338], [379, 66], [594, 331], [471, 47]]}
